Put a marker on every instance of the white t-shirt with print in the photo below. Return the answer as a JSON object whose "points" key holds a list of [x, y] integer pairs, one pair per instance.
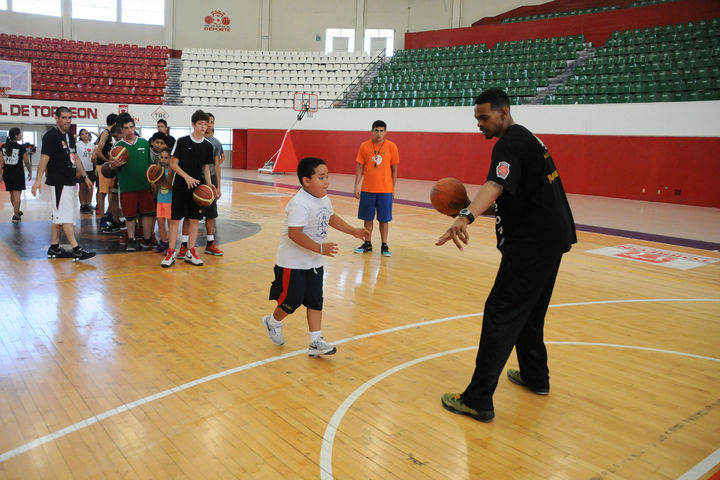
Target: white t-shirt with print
{"points": [[313, 214], [84, 151]]}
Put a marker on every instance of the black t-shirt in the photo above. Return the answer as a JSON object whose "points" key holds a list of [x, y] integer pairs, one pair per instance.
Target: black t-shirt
{"points": [[106, 148], [170, 141], [13, 154], [60, 147], [192, 157], [533, 215]]}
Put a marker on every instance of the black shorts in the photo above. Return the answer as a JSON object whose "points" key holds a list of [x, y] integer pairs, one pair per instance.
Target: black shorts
{"points": [[210, 211], [183, 205], [292, 288]]}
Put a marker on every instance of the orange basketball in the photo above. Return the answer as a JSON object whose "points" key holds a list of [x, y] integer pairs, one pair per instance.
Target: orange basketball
{"points": [[203, 195], [119, 154], [108, 171], [155, 173], [449, 196]]}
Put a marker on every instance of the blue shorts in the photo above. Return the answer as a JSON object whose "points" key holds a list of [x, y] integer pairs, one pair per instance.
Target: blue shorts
{"points": [[370, 202]]}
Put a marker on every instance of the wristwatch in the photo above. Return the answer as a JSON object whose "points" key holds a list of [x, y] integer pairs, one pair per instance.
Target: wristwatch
{"points": [[465, 212]]}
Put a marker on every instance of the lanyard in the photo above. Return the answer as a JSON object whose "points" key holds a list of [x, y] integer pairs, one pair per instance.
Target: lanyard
{"points": [[376, 155]]}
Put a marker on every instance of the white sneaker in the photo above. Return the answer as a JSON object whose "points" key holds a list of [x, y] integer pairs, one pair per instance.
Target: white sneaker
{"points": [[169, 258], [191, 257], [275, 333], [321, 347]]}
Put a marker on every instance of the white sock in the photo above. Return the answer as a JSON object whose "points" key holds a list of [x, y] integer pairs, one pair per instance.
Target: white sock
{"points": [[314, 336], [185, 238], [273, 322], [210, 238]]}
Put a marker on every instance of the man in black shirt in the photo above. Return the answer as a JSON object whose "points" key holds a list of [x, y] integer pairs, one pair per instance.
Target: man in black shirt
{"points": [[62, 167], [534, 227]]}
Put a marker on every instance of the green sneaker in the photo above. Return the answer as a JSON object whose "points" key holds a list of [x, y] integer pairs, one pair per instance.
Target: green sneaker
{"points": [[366, 247], [514, 376], [453, 402]]}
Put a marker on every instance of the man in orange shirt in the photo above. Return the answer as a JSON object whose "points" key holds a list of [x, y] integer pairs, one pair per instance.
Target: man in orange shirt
{"points": [[375, 177]]}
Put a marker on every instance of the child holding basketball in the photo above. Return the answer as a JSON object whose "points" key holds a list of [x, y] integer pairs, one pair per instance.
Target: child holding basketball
{"points": [[190, 160], [299, 268], [164, 201]]}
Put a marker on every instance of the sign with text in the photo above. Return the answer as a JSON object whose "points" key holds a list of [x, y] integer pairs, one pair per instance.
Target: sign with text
{"points": [[217, 21], [18, 111], [656, 256]]}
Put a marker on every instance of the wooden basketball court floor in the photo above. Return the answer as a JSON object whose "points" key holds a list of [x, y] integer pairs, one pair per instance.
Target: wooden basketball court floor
{"points": [[117, 368]]}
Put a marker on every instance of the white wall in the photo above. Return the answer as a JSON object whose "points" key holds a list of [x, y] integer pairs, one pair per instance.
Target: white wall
{"points": [[699, 119]]}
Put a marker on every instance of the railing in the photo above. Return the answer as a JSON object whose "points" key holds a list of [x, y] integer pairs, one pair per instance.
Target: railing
{"points": [[357, 84]]}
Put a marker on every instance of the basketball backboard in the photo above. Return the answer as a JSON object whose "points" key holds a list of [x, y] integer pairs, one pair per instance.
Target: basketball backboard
{"points": [[305, 102], [16, 76]]}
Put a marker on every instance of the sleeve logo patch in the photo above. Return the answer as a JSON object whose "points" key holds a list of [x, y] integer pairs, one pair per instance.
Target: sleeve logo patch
{"points": [[503, 170]]}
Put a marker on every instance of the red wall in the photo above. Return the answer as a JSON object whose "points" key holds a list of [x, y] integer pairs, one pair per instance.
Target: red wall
{"points": [[596, 27], [612, 166]]}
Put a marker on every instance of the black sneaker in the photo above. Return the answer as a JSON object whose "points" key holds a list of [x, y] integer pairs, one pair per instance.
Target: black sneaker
{"points": [[55, 252], [15, 219], [364, 248], [385, 250], [112, 228], [132, 245], [146, 244], [80, 253]]}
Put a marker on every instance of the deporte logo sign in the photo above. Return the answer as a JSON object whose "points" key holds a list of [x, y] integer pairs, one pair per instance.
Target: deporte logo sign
{"points": [[217, 21]]}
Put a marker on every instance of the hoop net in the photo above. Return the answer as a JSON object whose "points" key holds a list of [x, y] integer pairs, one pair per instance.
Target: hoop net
{"points": [[4, 93]]}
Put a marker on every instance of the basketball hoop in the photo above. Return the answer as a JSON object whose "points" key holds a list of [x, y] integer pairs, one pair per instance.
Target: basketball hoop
{"points": [[305, 104], [4, 93]]}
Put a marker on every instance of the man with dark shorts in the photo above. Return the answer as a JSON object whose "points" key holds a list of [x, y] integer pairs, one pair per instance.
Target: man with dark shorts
{"points": [[60, 164], [534, 228], [191, 159], [211, 212]]}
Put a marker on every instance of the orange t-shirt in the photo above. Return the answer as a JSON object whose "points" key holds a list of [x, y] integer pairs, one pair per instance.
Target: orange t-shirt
{"points": [[377, 174]]}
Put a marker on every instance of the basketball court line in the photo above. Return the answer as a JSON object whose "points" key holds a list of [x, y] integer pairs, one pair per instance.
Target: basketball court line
{"points": [[150, 398], [332, 427], [707, 464]]}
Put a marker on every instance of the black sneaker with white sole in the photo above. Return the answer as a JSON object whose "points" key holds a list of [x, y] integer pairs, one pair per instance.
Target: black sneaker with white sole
{"points": [[80, 253]]}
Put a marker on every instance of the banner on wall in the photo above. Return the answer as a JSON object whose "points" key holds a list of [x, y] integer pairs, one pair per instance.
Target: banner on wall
{"points": [[217, 21]]}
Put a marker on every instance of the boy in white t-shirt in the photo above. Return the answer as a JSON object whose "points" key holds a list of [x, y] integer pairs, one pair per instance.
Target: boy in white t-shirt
{"points": [[299, 269], [85, 152]]}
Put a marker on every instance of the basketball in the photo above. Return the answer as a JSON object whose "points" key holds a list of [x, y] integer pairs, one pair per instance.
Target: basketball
{"points": [[449, 196], [119, 154], [203, 195], [108, 171], [155, 173], [214, 189]]}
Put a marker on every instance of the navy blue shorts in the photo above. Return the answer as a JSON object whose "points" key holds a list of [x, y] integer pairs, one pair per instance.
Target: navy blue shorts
{"points": [[294, 287], [371, 202]]}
